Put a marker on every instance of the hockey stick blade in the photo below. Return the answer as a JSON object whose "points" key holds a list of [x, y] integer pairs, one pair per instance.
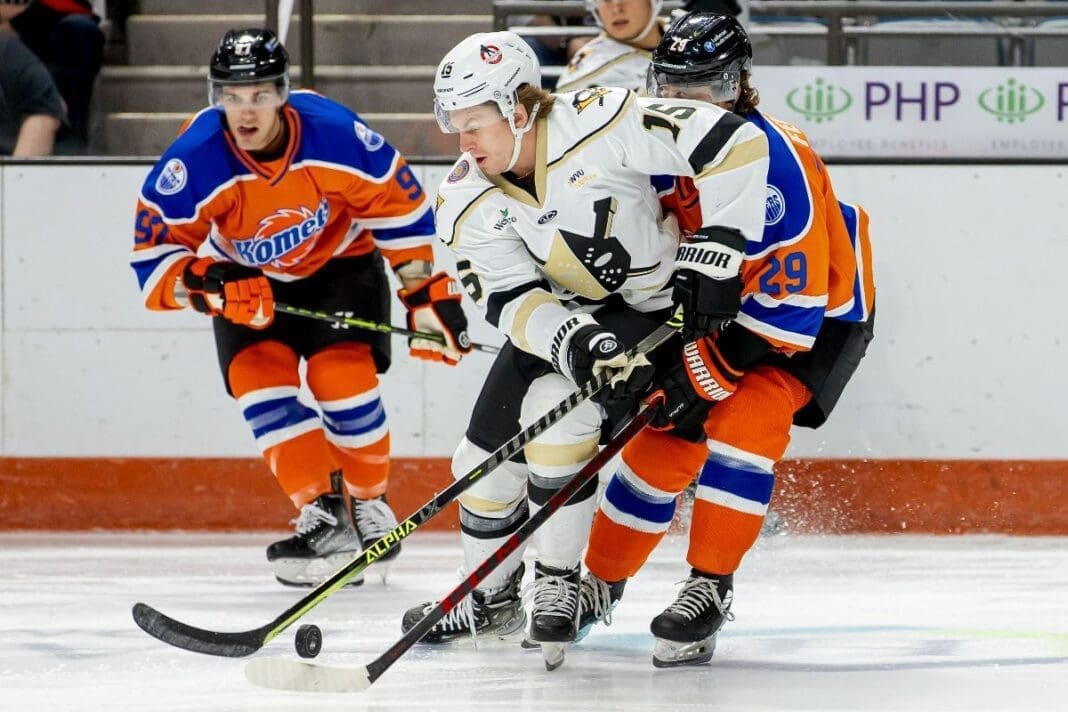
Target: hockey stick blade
{"points": [[343, 320], [291, 675], [284, 674], [240, 644]]}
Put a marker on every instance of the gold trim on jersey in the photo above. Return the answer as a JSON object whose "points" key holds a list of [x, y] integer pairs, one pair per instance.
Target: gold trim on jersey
{"points": [[550, 455], [466, 213], [596, 132], [528, 303], [741, 154]]}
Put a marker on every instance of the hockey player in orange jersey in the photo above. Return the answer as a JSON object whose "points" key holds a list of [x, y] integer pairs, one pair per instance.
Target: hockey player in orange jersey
{"points": [[803, 326], [270, 194]]}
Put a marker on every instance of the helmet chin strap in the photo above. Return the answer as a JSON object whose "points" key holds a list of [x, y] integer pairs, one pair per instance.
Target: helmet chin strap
{"points": [[645, 30], [517, 134]]}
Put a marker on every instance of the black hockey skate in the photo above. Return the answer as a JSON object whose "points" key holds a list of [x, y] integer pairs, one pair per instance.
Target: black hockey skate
{"points": [[374, 519], [325, 541], [686, 630], [554, 613], [484, 613], [597, 599]]}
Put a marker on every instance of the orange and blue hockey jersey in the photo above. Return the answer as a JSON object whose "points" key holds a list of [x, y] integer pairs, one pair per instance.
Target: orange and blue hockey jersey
{"points": [[339, 190], [814, 257]]}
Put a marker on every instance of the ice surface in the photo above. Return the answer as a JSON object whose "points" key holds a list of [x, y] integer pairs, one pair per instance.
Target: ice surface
{"points": [[823, 623]]}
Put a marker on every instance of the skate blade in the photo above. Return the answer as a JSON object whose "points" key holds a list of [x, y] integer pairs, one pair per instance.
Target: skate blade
{"points": [[312, 572], [668, 653], [553, 653]]}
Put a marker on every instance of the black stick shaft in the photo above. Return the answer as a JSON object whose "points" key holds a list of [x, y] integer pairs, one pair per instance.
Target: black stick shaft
{"points": [[243, 643], [558, 500]]}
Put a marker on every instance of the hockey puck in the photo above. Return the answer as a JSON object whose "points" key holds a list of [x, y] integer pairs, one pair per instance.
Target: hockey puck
{"points": [[308, 640]]}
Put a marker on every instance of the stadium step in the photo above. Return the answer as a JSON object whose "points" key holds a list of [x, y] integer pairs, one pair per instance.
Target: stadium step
{"points": [[339, 39]]}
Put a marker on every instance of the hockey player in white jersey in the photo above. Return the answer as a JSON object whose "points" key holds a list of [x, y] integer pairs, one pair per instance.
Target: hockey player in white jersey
{"points": [[620, 55], [551, 215]]}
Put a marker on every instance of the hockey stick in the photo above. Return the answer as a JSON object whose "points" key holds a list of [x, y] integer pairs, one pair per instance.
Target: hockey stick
{"points": [[285, 674], [342, 320], [242, 643]]}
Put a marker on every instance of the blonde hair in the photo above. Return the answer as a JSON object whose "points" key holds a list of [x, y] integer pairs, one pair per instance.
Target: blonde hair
{"points": [[530, 95], [748, 97]]}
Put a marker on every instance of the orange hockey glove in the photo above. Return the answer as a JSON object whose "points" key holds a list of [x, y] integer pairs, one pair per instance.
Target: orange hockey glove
{"points": [[238, 293], [434, 306]]}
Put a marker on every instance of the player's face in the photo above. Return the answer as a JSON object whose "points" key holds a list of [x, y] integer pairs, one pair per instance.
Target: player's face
{"points": [[485, 134], [624, 19], [252, 114], [696, 93]]}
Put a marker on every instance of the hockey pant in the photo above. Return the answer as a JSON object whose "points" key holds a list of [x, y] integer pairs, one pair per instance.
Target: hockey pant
{"points": [[495, 506], [747, 434], [301, 447]]}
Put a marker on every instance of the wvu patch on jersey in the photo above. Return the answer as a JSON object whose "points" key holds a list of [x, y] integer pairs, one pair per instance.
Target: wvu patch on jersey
{"points": [[284, 237]]}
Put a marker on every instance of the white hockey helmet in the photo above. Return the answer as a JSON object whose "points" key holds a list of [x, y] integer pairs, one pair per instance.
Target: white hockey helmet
{"points": [[655, 5], [485, 67]]}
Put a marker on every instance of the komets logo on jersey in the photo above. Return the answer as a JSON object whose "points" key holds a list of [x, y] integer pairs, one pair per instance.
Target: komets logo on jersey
{"points": [[284, 238]]}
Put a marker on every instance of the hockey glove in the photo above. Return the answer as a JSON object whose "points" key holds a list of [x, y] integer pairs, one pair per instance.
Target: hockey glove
{"points": [[434, 306], [708, 283], [588, 349], [710, 370], [235, 292]]}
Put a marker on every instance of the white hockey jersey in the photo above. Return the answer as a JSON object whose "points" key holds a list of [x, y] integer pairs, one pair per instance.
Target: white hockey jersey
{"points": [[605, 62], [590, 228]]}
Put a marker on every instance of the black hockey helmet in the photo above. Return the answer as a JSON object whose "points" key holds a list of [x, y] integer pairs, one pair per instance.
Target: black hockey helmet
{"points": [[249, 56], [702, 49]]}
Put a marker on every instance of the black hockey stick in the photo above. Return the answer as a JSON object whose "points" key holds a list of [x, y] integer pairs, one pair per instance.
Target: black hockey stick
{"points": [[239, 644], [285, 674], [344, 320]]}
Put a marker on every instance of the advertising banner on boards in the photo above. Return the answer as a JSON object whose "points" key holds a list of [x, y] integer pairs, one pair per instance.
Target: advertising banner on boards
{"points": [[922, 112]]}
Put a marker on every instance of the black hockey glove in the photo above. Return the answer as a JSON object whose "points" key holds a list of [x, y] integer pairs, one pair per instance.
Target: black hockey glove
{"points": [[583, 349], [709, 372], [708, 282]]}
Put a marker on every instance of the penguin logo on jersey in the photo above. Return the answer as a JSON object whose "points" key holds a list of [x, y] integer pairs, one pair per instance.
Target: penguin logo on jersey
{"points": [[369, 137], [585, 97], [774, 206], [284, 238], [172, 178]]}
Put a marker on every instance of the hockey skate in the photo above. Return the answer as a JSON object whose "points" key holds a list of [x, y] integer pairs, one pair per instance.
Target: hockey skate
{"points": [[496, 613], [686, 630], [597, 599], [325, 541], [374, 519], [554, 614]]}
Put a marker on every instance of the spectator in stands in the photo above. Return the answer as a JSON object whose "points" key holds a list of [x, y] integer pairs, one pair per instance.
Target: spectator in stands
{"points": [[65, 35], [31, 110], [619, 56], [555, 51]]}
